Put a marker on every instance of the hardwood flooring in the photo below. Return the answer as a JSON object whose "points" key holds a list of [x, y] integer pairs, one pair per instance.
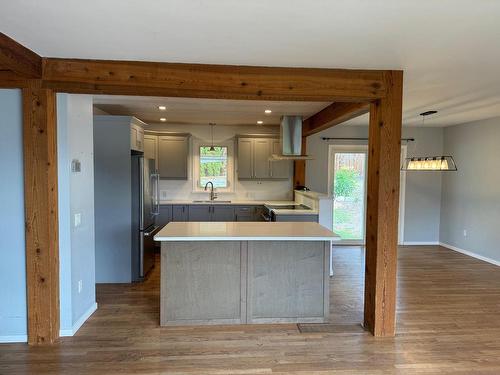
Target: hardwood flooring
{"points": [[448, 322]]}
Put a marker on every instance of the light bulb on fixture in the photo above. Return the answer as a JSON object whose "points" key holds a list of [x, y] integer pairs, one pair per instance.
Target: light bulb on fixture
{"points": [[260, 122], [268, 111], [162, 107], [163, 119], [444, 164]]}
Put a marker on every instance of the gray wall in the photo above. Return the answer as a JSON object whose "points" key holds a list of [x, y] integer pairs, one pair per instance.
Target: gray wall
{"points": [[12, 250], [423, 190], [76, 196], [470, 196]]}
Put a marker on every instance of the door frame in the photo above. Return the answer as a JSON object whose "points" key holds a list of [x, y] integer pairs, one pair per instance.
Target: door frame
{"points": [[402, 188], [360, 148], [402, 198]]}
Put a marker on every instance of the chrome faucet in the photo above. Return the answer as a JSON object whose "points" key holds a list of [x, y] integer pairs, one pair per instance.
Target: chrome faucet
{"points": [[213, 195]]}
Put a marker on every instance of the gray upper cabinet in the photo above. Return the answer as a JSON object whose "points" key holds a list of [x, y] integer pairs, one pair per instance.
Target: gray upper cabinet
{"points": [[151, 148], [245, 158], [173, 157], [261, 163], [254, 163], [280, 169]]}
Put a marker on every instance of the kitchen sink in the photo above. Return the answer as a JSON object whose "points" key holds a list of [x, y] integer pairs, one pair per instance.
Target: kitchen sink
{"points": [[211, 202]]}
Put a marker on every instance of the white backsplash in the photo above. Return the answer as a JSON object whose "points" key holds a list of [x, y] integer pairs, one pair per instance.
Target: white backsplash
{"points": [[244, 190]]}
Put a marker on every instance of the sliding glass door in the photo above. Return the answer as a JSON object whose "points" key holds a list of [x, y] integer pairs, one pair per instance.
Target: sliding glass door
{"points": [[348, 166], [347, 184]]}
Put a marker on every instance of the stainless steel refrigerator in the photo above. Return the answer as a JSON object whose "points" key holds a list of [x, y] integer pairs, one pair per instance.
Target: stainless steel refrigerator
{"points": [[145, 208]]}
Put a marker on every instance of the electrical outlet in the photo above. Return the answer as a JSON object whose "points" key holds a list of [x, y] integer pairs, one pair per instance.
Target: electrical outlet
{"points": [[78, 220], [163, 194], [465, 232], [80, 286]]}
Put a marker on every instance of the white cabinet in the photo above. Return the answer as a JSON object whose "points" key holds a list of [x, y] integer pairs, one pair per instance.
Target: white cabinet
{"points": [[136, 137], [151, 148], [254, 163]]}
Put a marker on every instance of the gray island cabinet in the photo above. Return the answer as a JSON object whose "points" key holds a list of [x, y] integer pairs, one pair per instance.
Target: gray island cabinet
{"points": [[244, 273]]}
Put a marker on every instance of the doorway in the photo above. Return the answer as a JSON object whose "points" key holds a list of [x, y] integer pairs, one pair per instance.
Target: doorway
{"points": [[347, 186], [347, 182]]}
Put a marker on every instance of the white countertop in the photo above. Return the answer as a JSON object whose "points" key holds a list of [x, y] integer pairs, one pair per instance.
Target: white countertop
{"points": [[245, 231], [237, 202]]}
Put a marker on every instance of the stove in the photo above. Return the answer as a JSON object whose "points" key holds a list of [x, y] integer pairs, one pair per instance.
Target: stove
{"points": [[288, 207]]}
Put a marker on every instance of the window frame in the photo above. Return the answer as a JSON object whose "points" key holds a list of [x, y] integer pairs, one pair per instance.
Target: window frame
{"points": [[230, 164]]}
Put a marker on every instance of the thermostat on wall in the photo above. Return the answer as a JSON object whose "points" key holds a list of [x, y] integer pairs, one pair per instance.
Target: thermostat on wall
{"points": [[76, 165]]}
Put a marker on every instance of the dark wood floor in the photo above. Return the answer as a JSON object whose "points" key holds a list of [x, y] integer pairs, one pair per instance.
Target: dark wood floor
{"points": [[448, 322]]}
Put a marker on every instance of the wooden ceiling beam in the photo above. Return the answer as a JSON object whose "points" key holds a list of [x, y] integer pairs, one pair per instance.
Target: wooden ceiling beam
{"points": [[19, 59], [336, 113], [211, 81]]}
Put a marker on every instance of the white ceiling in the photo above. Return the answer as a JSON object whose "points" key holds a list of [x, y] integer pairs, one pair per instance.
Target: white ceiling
{"points": [[204, 111], [449, 49]]}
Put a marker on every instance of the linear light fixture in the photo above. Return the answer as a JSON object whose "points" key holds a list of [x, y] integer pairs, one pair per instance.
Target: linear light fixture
{"points": [[442, 163], [429, 163]]}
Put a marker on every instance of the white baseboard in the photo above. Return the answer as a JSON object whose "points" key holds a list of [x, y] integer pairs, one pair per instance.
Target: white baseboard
{"points": [[13, 338], [470, 253], [420, 243], [79, 322]]}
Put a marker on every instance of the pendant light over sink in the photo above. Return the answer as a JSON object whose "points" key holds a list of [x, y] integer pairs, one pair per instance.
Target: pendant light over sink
{"points": [[212, 124], [429, 163]]}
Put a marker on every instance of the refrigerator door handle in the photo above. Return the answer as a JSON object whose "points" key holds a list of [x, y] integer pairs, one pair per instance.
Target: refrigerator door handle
{"points": [[157, 195]]}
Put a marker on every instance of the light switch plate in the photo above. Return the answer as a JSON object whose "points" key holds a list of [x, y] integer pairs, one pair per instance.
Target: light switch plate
{"points": [[78, 220], [76, 166]]}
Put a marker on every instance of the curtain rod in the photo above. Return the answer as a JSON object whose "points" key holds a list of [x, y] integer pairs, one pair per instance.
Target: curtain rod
{"points": [[359, 139]]}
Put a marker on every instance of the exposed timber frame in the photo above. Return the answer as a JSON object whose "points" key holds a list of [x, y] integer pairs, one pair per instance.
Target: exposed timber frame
{"points": [[353, 92]]}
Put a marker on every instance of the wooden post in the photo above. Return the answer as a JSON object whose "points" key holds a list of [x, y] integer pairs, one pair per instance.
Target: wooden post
{"points": [[40, 189], [382, 208]]}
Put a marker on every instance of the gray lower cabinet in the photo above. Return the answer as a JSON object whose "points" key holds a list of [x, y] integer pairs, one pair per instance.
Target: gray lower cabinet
{"points": [[165, 215], [248, 213], [200, 213], [180, 212], [297, 218], [222, 213], [211, 213]]}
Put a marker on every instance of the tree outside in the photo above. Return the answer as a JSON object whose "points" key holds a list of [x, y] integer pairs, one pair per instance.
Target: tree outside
{"points": [[213, 166], [349, 189]]}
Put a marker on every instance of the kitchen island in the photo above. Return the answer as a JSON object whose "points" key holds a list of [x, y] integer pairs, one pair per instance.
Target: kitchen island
{"points": [[244, 273]]}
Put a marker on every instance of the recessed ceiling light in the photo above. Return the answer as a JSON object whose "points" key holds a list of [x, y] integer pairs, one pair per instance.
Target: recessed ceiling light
{"points": [[260, 122], [163, 119], [162, 107], [268, 111]]}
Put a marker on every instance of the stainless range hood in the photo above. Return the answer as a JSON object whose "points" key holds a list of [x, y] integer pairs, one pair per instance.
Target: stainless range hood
{"points": [[291, 139]]}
